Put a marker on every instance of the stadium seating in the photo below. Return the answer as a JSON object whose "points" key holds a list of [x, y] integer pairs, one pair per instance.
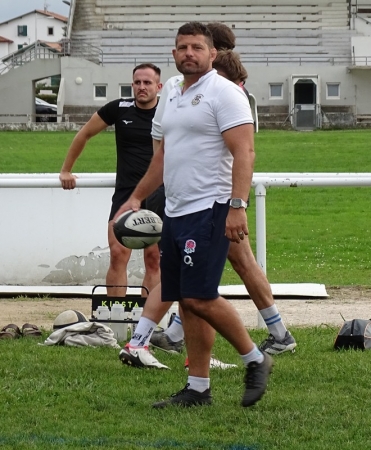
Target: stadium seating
{"points": [[140, 30]]}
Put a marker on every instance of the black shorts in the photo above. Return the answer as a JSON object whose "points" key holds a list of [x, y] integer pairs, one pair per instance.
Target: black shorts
{"points": [[119, 197], [155, 202]]}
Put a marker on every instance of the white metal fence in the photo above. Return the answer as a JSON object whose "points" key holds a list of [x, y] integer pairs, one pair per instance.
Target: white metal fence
{"points": [[260, 182]]}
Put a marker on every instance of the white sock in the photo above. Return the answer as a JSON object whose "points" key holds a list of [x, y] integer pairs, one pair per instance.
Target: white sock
{"points": [[254, 355], [198, 384], [273, 320], [143, 333], [175, 330]]}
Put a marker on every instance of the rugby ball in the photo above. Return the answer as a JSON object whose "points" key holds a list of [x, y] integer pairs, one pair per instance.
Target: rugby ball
{"points": [[138, 229], [69, 317]]}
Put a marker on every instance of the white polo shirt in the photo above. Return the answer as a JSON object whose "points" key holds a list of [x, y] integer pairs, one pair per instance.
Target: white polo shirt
{"points": [[198, 164], [156, 121]]}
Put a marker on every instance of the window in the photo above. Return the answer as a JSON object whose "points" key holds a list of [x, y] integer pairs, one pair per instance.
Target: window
{"points": [[100, 91], [22, 30], [19, 46], [125, 90], [50, 31], [333, 91], [275, 91]]}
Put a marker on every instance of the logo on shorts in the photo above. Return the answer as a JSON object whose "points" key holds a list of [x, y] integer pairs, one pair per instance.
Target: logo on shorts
{"points": [[188, 260], [197, 99], [190, 246]]}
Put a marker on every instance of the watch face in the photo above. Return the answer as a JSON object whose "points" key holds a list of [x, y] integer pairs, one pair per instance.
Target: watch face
{"points": [[236, 203]]}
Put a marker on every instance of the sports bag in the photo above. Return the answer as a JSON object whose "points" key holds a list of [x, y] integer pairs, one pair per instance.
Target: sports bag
{"points": [[354, 334]]}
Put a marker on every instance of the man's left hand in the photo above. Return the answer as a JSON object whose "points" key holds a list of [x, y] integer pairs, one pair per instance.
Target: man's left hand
{"points": [[236, 225]]}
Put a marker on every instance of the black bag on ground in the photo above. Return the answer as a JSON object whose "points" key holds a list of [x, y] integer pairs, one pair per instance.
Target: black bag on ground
{"points": [[354, 334]]}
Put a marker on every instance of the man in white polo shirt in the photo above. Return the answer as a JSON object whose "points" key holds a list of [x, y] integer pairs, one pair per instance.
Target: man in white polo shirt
{"points": [[206, 161], [241, 257]]}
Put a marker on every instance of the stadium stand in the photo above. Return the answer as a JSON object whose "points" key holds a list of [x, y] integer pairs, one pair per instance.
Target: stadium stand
{"points": [[142, 29]]}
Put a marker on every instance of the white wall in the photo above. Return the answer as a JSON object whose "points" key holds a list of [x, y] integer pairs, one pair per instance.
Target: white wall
{"points": [[55, 237], [17, 88], [363, 27], [353, 85], [361, 46], [90, 74], [4, 49]]}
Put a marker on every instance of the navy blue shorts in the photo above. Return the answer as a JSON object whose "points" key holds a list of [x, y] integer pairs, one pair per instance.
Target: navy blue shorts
{"points": [[194, 251]]}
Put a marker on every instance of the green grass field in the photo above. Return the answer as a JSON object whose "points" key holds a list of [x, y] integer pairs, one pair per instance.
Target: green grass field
{"points": [[77, 398], [317, 399], [320, 235]]}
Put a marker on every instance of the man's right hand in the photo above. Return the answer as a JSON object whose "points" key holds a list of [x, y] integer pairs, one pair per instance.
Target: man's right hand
{"points": [[132, 204], [68, 180]]}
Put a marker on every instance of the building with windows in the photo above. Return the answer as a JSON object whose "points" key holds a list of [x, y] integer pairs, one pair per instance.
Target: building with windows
{"points": [[37, 25], [309, 61]]}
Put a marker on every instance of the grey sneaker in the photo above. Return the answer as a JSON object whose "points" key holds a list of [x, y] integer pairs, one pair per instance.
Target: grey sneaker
{"points": [[186, 397], [139, 357], [256, 380], [162, 341], [273, 346]]}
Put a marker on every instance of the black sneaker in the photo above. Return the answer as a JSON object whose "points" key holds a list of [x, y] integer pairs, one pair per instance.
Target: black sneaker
{"points": [[256, 380], [162, 341], [139, 357], [186, 397], [273, 346]]}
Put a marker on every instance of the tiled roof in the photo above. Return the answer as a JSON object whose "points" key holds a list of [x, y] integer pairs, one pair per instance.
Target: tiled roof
{"points": [[40, 11], [3, 39], [51, 14]]}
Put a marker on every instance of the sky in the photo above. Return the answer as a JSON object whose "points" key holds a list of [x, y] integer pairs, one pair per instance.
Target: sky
{"points": [[14, 8]]}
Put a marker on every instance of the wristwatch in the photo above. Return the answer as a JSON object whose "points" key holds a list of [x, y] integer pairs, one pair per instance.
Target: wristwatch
{"points": [[237, 203]]}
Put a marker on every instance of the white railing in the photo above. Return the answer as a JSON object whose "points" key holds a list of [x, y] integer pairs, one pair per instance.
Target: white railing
{"points": [[96, 181], [260, 182]]}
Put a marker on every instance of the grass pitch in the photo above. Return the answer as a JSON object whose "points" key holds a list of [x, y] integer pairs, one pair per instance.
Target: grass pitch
{"points": [[75, 398], [320, 235]]}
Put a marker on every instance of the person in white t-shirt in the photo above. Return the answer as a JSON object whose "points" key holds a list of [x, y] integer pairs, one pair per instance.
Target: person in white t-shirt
{"points": [[206, 162]]}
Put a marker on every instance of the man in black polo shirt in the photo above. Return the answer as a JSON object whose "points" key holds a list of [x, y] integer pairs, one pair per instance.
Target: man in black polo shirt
{"points": [[133, 122]]}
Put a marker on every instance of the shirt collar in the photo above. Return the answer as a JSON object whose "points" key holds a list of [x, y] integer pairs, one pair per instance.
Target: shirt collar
{"points": [[179, 85]]}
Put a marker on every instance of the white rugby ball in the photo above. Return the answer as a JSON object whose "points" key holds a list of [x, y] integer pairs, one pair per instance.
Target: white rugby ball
{"points": [[67, 318], [138, 229]]}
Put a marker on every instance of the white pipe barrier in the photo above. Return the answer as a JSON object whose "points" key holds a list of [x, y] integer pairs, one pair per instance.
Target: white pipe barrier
{"points": [[12, 182], [51, 215], [108, 180], [260, 182]]}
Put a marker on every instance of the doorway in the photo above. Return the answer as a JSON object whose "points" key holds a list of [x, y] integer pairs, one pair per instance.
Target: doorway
{"points": [[305, 102]]}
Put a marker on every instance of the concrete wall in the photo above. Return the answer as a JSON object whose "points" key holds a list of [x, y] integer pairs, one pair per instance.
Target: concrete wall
{"points": [[354, 88], [79, 77], [56, 237], [361, 46], [17, 94], [113, 76], [4, 49]]}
